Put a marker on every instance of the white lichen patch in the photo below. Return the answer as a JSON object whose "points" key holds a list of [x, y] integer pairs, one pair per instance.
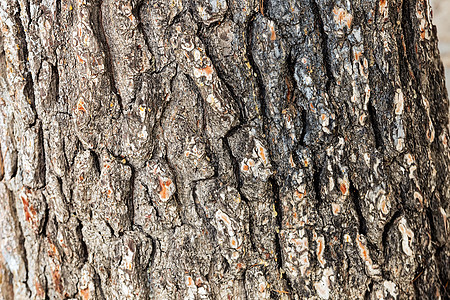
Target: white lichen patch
{"points": [[390, 288], [323, 287], [342, 17], [224, 222], [407, 236], [398, 102]]}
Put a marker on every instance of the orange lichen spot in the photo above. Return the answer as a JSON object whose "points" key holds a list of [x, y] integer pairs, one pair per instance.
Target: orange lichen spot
{"points": [[311, 105], [291, 161], [342, 17], [223, 217], [40, 292], [273, 36], [363, 250], [281, 292], [80, 59], [233, 242], [198, 281], [28, 209], [165, 192], [207, 70], [335, 208], [347, 238], [344, 187], [109, 193], [306, 163], [262, 287], [299, 195], [81, 105], [56, 277], [84, 293], [319, 251], [357, 55], [245, 167], [262, 154], [189, 281]]}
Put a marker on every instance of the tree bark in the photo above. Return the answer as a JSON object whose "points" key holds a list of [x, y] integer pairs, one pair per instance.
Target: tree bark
{"points": [[214, 149]]}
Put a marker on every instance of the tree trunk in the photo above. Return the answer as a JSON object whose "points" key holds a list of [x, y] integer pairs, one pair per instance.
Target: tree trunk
{"points": [[214, 149]]}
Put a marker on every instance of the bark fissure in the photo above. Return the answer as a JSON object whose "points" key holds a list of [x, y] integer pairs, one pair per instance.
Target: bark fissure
{"points": [[354, 195]]}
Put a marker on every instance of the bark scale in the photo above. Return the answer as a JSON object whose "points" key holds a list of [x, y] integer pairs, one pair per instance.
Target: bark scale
{"points": [[214, 149]]}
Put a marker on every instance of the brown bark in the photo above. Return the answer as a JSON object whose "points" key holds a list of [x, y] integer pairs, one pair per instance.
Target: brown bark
{"points": [[222, 150]]}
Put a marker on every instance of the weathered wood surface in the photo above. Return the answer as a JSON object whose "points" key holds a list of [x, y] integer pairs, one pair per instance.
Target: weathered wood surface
{"points": [[214, 149]]}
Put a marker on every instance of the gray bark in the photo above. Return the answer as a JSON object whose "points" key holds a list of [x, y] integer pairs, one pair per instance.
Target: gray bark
{"points": [[215, 149]]}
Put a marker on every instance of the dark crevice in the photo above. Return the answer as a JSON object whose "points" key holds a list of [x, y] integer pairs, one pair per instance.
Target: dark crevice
{"points": [[201, 212], [29, 85], [379, 143], [368, 291], [45, 221], [96, 161], [55, 79], [98, 285], [279, 222], [356, 198], [261, 92], [129, 201], [388, 226], [279, 219], [84, 249], [324, 39], [317, 170]]}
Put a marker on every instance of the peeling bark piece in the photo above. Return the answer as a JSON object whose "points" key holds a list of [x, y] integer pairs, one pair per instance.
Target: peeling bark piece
{"points": [[34, 206]]}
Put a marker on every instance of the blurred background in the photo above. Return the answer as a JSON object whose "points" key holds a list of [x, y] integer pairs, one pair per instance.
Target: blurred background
{"points": [[441, 18]]}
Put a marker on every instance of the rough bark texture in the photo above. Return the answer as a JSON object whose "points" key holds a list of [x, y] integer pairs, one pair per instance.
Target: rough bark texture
{"points": [[222, 149]]}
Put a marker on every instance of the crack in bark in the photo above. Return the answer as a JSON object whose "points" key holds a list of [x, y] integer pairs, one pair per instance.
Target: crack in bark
{"points": [[324, 43], [29, 85], [355, 197], [239, 182], [279, 220]]}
